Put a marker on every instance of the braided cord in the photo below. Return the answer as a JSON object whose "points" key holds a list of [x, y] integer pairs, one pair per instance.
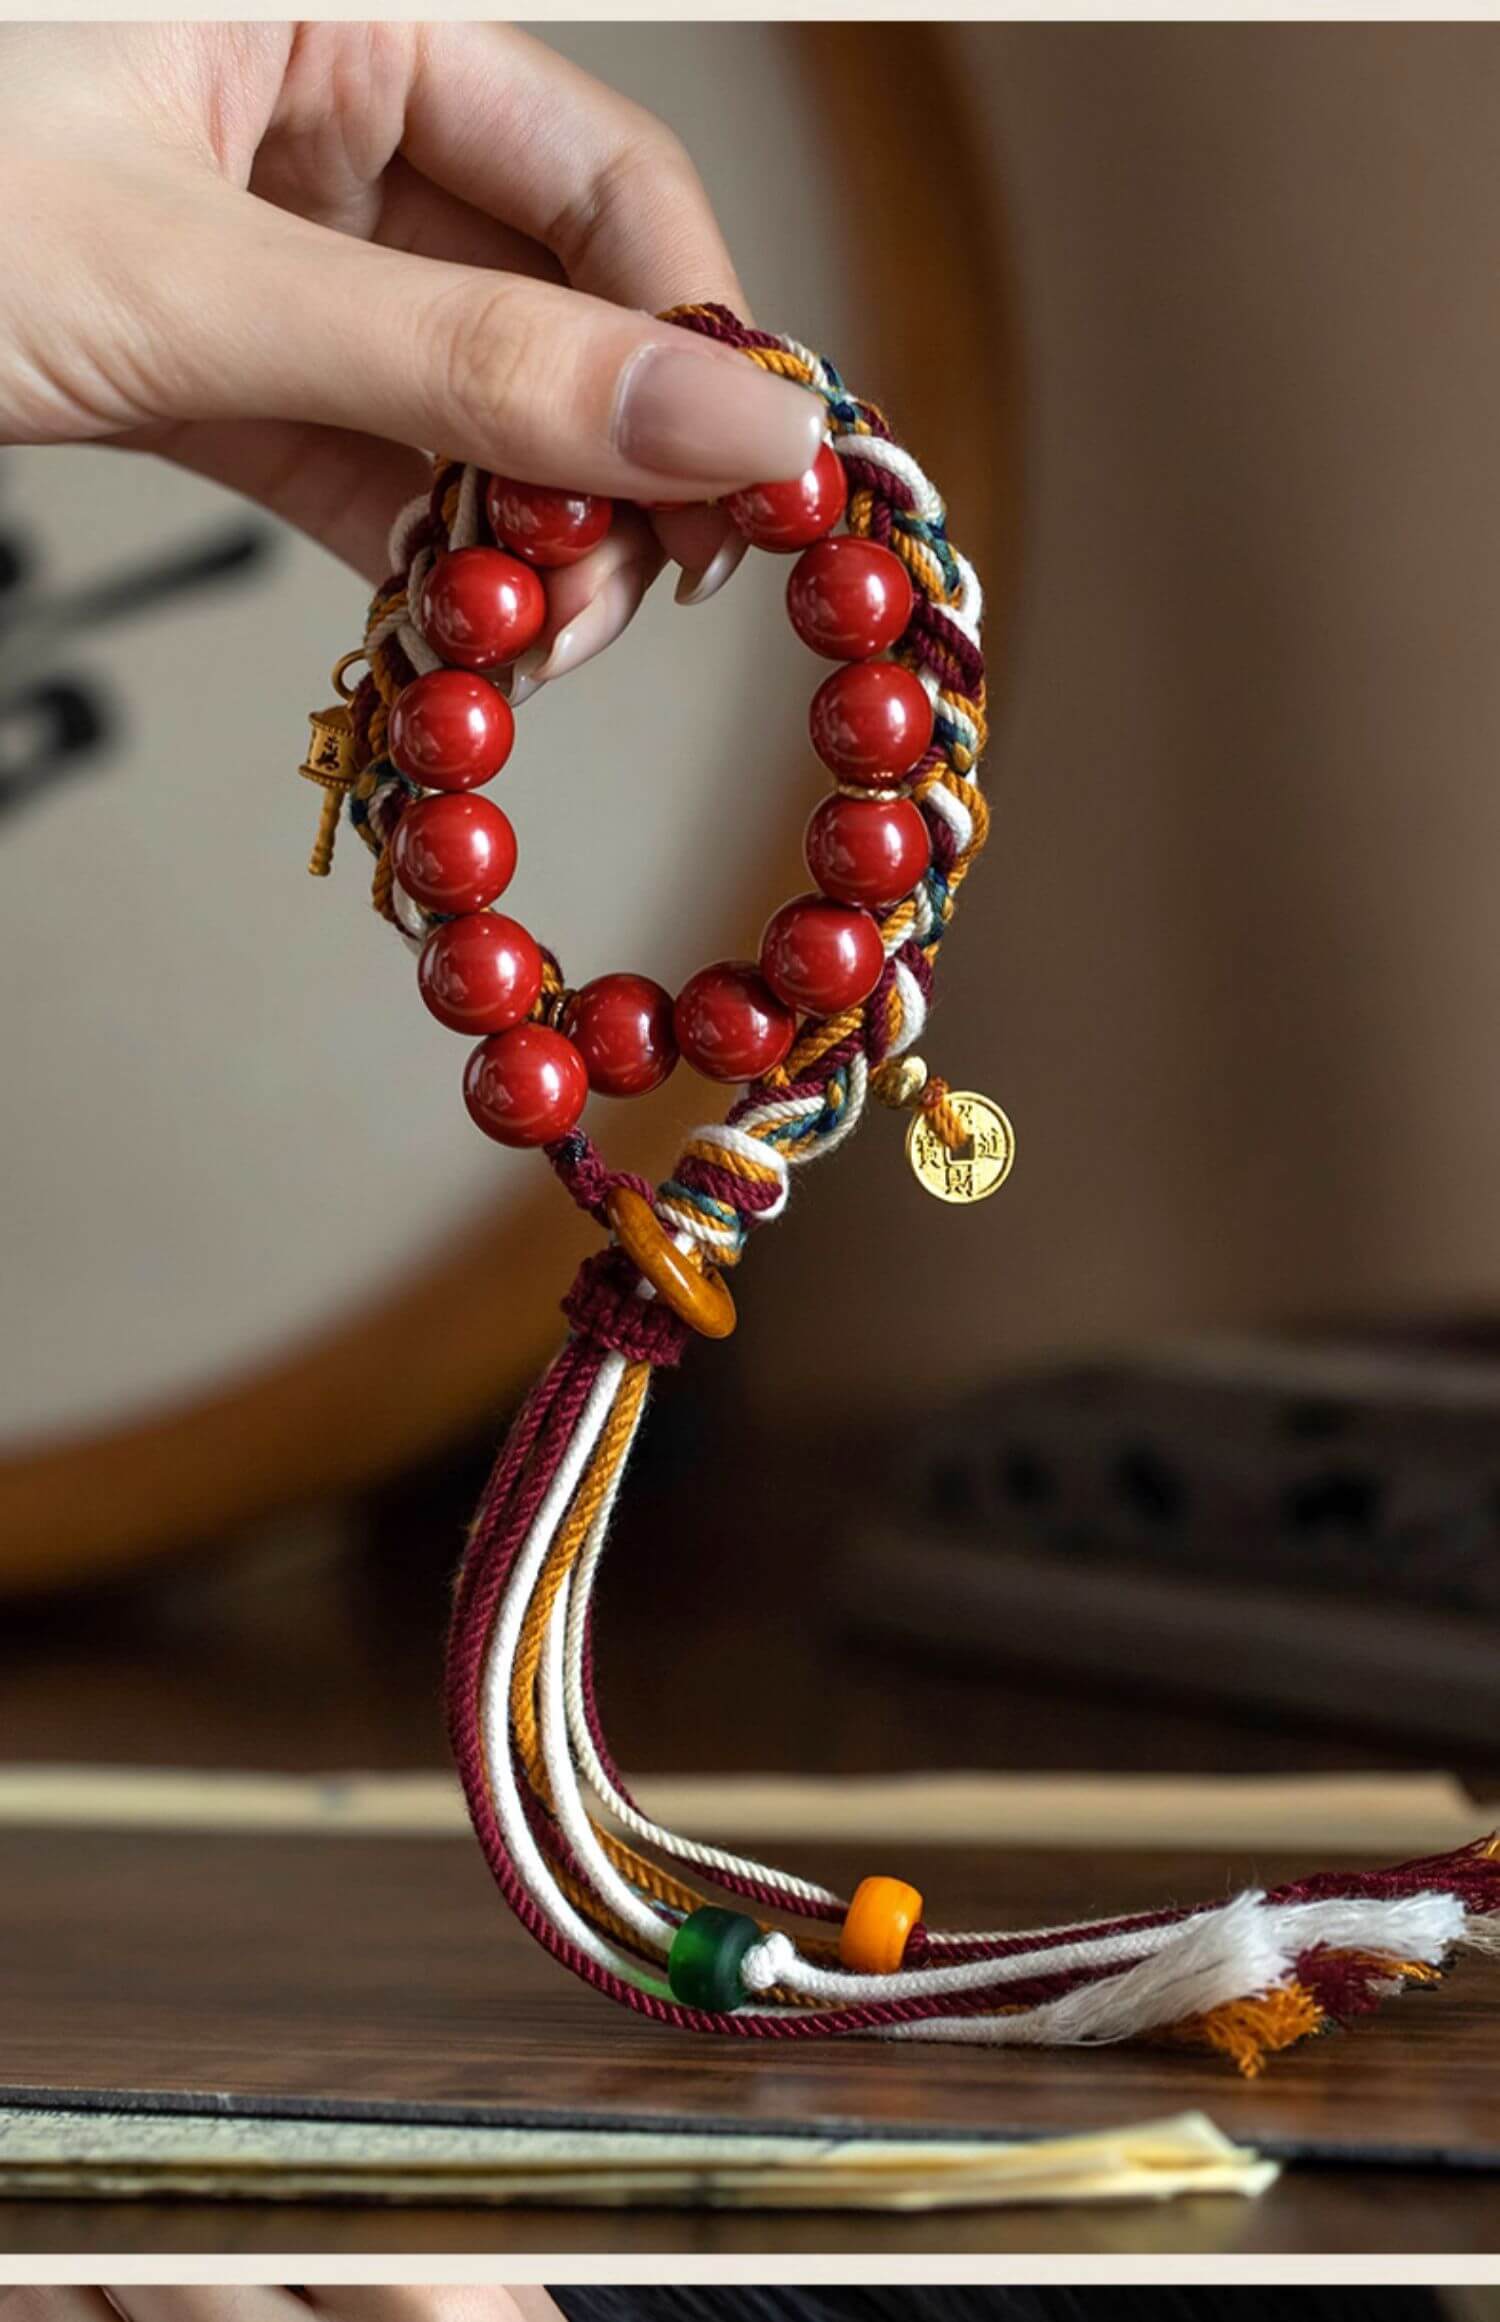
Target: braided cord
{"points": [[592, 1876], [734, 1175]]}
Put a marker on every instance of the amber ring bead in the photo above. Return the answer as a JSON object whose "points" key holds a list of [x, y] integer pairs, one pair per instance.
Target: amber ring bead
{"points": [[703, 1301]]}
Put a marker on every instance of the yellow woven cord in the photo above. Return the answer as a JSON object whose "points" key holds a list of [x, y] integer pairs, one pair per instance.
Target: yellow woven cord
{"points": [[660, 1885], [731, 1176], [1247, 2031]]}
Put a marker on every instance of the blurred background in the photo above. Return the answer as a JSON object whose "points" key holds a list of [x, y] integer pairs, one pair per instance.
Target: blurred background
{"points": [[1182, 1451]]}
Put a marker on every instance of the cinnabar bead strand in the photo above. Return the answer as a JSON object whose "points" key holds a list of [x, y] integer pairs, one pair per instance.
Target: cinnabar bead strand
{"points": [[871, 723], [621, 1026], [786, 517], [454, 852], [821, 957], [481, 973], [867, 850], [544, 526], [525, 1086], [479, 607], [450, 730], [729, 1025], [849, 599]]}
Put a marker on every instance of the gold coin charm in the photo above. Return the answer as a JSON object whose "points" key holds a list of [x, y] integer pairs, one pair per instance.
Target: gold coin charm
{"points": [[979, 1166]]}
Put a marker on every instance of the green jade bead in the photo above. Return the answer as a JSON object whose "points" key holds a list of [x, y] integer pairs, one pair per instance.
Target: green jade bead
{"points": [[703, 1966]]}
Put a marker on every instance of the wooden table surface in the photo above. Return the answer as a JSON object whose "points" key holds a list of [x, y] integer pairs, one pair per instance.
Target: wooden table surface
{"points": [[391, 1972], [385, 1972]]}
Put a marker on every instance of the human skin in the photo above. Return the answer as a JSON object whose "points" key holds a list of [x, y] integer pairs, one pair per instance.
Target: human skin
{"points": [[286, 256], [399, 2302]]}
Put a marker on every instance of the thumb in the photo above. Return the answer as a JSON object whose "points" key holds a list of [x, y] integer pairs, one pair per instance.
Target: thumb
{"points": [[522, 376]]}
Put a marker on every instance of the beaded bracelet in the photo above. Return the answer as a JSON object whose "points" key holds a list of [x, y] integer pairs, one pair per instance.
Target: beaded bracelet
{"points": [[825, 1016]]}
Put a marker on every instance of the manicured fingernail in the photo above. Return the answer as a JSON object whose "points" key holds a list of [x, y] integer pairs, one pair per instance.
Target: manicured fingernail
{"points": [[695, 588], [523, 678], [599, 623], [683, 412]]}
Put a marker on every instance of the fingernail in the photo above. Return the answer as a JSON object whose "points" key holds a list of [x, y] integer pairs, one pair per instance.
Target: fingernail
{"points": [[524, 676], [683, 412], [695, 588], [599, 624]]}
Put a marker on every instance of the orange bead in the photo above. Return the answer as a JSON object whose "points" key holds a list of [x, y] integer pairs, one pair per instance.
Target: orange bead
{"points": [[877, 1925]]}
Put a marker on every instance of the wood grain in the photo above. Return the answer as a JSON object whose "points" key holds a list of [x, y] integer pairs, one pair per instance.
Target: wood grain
{"points": [[385, 1973]]}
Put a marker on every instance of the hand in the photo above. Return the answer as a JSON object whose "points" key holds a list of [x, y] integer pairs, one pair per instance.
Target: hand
{"points": [[404, 2302], [286, 255]]}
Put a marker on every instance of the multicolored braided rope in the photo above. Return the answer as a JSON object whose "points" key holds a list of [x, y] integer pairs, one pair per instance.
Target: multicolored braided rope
{"points": [[633, 1908]]}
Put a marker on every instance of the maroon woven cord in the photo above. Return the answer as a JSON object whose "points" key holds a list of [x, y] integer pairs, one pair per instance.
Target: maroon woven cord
{"points": [[499, 1532], [732, 1882], [607, 1313], [605, 1306], [583, 1173], [500, 1529]]}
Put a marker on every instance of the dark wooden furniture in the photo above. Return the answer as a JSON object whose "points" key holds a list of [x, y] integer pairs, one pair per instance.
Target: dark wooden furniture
{"points": [[385, 1973]]}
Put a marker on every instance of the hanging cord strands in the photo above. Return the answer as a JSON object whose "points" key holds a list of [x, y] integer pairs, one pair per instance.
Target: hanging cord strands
{"points": [[691, 1934]]}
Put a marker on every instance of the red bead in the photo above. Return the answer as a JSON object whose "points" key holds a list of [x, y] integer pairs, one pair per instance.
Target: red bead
{"points": [[479, 606], [871, 722], [450, 730], [481, 973], [622, 1028], [729, 1025], [525, 1086], [454, 852], [786, 517], [545, 526], [848, 598], [821, 957], [867, 850]]}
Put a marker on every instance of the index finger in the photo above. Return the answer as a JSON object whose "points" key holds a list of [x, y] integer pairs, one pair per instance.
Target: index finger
{"points": [[505, 122]]}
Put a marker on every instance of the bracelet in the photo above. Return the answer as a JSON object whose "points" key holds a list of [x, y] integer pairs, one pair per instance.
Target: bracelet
{"points": [[825, 1016]]}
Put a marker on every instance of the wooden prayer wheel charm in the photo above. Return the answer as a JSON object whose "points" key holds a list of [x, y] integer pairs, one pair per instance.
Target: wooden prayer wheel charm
{"points": [[329, 763]]}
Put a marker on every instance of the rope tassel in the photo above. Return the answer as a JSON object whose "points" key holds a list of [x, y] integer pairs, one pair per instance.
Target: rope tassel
{"points": [[688, 1933], [606, 1889]]}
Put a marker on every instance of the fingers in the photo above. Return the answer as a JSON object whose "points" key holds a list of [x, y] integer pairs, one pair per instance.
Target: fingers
{"points": [[415, 2302], [590, 603], [510, 126], [343, 490], [399, 208], [708, 546], [521, 376], [55, 2305], [227, 2302]]}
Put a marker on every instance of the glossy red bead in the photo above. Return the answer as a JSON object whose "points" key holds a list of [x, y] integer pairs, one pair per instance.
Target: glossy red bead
{"points": [[786, 517], [848, 598], [450, 730], [871, 722], [481, 973], [867, 850], [821, 957], [544, 526], [729, 1024], [621, 1026], [525, 1086], [454, 852], [478, 607]]}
